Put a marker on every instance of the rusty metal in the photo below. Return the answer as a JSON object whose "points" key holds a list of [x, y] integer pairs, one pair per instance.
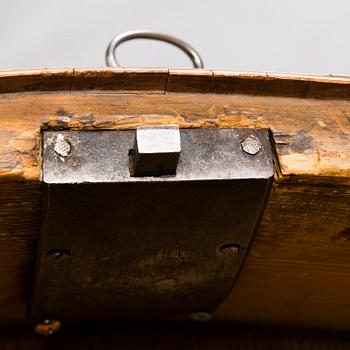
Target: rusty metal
{"points": [[48, 327], [142, 247]]}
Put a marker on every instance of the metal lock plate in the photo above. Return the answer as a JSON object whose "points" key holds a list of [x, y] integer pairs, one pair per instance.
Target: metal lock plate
{"points": [[116, 246]]}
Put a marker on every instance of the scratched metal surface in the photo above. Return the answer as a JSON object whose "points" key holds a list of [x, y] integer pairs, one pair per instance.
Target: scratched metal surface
{"points": [[151, 246], [207, 154]]}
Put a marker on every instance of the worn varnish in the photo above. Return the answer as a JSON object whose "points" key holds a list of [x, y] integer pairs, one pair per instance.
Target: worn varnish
{"points": [[298, 270]]}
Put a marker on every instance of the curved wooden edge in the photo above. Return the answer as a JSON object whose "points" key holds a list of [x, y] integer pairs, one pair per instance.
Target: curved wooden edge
{"points": [[162, 80], [297, 271], [312, 137]]}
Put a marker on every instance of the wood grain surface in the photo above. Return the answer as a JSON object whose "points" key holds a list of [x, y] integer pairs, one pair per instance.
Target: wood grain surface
{"points": [[298, 269]]}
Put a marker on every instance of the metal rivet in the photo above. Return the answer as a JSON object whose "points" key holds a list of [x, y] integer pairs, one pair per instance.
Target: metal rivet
{"points": [[230, 249], [251, 145], [57, 253], [62, 146], [48, 327], [201, 316]]}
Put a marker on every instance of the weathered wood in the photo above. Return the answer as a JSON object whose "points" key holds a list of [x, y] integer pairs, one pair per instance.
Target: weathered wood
{"points": [[298, 270]]}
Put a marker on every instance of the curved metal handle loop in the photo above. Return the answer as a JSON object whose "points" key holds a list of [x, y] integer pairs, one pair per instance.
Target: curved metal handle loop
{"points": [[111, 60]]}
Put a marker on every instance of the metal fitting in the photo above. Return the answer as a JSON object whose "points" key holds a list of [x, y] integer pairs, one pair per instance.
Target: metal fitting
{"points": [[48, 327], [62, 146], [251, 145], [201, 316], [156, 150]]}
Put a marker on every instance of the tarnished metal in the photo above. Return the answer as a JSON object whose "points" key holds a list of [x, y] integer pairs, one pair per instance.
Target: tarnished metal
{"points": [[62, 146], [156, 151], [114, 246], [48, 327], [251, 145], [201, 316]]}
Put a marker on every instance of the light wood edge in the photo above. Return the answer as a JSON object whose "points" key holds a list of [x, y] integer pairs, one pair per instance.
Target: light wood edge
{"points": [[163, 80]]}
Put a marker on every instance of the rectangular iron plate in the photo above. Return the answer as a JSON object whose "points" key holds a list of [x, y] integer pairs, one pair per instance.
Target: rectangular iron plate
{"points": [[133, 247]]}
